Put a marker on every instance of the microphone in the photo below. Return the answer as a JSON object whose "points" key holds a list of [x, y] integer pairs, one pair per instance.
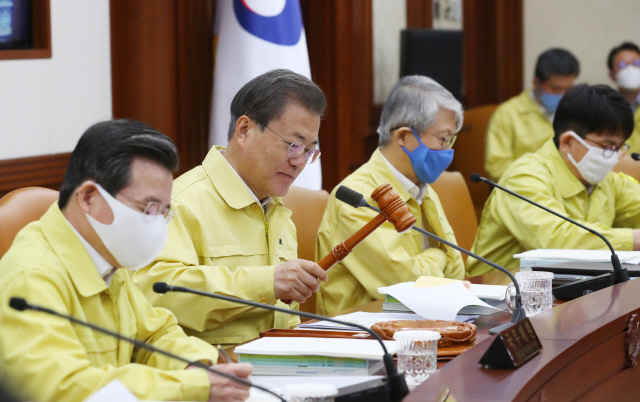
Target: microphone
{"points": [[356, 200], [576, 289], [635, 156], [21, 304], [395, 388]]}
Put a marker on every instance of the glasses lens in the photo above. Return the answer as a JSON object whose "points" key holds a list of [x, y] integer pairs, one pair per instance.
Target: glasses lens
{"points": [[295, 149], [153, 208], [312, 156]]}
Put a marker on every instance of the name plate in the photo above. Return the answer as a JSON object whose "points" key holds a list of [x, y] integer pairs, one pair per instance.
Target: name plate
{"points": [[513, 347]]}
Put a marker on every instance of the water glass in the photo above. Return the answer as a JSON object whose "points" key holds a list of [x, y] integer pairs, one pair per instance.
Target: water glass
{"points": [[311, 392], [535, 288], [417, 354]]}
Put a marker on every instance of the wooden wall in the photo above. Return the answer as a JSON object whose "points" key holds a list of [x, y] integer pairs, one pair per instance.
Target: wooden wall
{"points": [[162, 73]]}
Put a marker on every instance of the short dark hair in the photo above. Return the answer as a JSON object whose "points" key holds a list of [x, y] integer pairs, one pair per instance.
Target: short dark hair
{"points": [[624, 46], [556, 61], [105, 151], [265, 97], [588, 109]]}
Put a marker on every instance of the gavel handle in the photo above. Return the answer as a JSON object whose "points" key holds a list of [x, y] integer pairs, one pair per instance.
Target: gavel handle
{"points": [[342, 250]]}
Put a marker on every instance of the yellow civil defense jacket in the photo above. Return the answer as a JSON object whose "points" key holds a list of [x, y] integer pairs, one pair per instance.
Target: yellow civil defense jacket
{"points": [[518, 126], [385, 257], [510, 226], [222, 241], [51, 359]]}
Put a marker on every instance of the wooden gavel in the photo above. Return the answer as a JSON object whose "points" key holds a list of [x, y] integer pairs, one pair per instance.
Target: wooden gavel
{"points": [[392, 208]]}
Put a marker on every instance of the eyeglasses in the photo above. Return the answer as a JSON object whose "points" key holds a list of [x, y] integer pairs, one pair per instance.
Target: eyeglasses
{"points": [[297, 148], [609, 150], [153, 208], [445, 142], [622, 64]]}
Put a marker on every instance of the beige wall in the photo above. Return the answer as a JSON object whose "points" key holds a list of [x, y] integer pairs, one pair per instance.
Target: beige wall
{"points": [[587, 28], [389, 18]]}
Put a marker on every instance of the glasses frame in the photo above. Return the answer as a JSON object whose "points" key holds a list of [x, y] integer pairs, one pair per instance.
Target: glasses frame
{"points": [[446, 142], [608, 152], [166, 212], [622, 64], [310, 156]]}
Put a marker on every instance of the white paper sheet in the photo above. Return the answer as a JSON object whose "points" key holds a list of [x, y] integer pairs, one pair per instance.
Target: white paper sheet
{"points": [[578, 255], [335, 347], [437, 303], [114, 391]]}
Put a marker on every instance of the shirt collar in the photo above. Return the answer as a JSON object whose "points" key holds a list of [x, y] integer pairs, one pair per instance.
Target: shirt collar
{"points": [[416, 191], [227, 183], [104, 268]]}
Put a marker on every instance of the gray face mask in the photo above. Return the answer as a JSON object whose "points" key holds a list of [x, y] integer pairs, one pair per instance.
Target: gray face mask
{"points": [[133, 238]]}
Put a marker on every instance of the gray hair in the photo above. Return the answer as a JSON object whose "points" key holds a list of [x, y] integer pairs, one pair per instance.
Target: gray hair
{"points": [[414, 102], [265, 97]]}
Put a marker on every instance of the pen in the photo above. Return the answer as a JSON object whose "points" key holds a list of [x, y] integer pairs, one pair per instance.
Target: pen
{"points": [[225, 357]]}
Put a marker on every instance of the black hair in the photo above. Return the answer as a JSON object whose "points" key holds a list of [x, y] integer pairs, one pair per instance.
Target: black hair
{"points": [[265, 97], [624, 46], [556, 61], [105, 151], [597, 109]]}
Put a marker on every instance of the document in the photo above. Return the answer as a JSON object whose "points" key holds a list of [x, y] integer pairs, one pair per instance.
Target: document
{"points": [[436, 303], [336, 347], [362, 318], [580, 255]]}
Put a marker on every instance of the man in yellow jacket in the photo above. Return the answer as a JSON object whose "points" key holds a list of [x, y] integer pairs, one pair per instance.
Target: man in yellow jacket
{"points": [[232, 235], [570, 174], [417, 129], [523, 123], [624, 69], [111, 215]]}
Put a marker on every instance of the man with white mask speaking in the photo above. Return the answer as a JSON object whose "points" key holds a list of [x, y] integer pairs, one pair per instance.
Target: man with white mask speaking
{"points": [[571, 174], [112, 213], [624, 69]]}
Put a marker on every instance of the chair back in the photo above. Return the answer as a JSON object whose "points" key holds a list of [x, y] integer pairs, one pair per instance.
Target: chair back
{"points": [[458, 208], [20, 207], [469, 152], [307, 207], [628, 166]]}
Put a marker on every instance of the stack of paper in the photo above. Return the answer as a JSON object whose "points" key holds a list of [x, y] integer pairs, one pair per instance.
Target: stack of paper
{"points": [[629, 257], [313, 356], [362, 318]]}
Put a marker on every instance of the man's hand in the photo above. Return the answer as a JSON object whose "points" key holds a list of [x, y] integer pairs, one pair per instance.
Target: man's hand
{"points": [[298, 279], [226, 390]]}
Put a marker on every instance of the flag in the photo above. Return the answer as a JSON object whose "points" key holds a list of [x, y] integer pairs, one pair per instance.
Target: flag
{"points": [[253, 37]]}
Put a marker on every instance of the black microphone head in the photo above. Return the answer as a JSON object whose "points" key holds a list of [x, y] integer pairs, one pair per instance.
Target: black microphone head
{"points": [[161, 287], [476, 177], [635, 156], [18, 303], [351, 197]]}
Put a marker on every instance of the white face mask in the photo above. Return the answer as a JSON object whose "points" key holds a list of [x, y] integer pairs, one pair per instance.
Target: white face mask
{"points": [[133, 238], [593, 167], [629, 78]]}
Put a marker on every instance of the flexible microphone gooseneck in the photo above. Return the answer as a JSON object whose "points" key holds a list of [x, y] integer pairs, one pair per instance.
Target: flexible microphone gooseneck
{"points": [[356, 200], [576, 289], [21, 304], [635, 156], [396, 385]]}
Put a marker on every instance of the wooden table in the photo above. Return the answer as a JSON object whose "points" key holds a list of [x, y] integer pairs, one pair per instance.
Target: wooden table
{"points": [[584, 356]]}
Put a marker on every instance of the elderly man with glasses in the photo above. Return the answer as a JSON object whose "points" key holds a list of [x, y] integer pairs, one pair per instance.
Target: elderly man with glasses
{"points": [[417, 130], [570, 174], [231, 234]]}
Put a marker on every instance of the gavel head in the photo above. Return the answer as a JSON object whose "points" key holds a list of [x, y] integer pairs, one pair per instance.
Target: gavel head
{"points": [[393, 208]]}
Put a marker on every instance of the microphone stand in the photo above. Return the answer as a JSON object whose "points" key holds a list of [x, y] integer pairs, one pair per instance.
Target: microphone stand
{"points": [[396, 385], [576, 289], [21, 304], [356, 200]]}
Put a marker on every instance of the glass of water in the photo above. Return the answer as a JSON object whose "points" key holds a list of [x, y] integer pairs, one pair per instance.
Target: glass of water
{"points": [[310, 392], [417, 354], [535, 287]]}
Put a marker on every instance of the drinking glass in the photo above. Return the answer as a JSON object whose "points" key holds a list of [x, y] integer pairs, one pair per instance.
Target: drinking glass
{"points": [[417, 354], [535, 288]]}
